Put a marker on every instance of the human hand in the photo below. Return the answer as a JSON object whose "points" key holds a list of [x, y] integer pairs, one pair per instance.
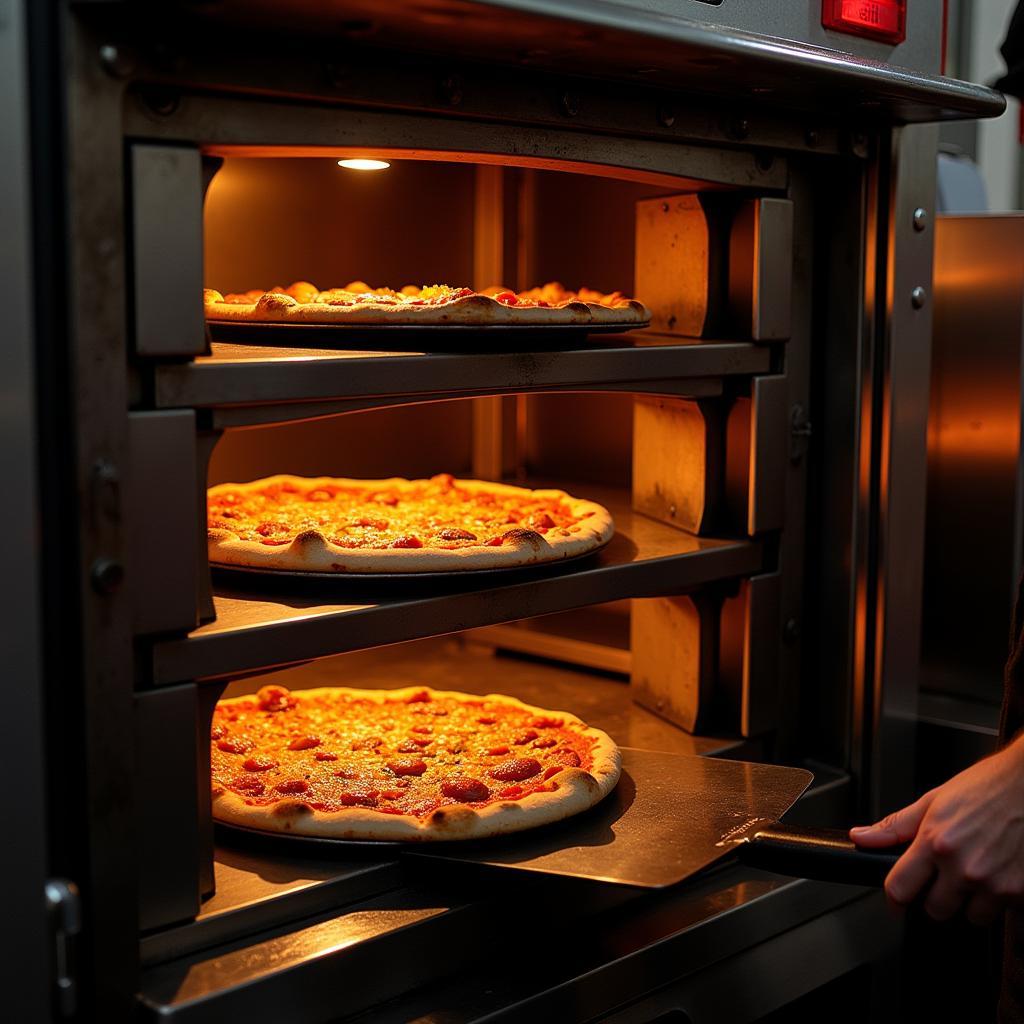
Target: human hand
{"points": [[968, 841]]}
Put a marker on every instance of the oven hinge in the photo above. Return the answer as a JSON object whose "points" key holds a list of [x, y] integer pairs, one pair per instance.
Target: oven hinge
{"points": [[800, 432], [64, 913]]}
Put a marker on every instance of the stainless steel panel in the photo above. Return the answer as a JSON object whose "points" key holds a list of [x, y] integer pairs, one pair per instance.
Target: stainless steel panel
{"points": [[162, 556], [636, 42], [761, 269], [750, 654], [225, 126], [902, 468], [166, 738], [975, 495], [270, 627], [167, 235], [769, 454], [668, 818], [26, 977], [239, 375]]}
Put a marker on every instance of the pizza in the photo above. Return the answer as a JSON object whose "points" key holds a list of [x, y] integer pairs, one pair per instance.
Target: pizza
{"points": [[358, 303], [337, 525], [407, 764]]}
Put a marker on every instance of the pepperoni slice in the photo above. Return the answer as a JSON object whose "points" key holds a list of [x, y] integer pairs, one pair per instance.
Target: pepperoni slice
{"points": [[292, 786], [235, 745], [406, 542], [259, 764], [407, 766], [516, 769], [305, 742], [527, 736], [465, 789], [325, 755], [566, 757], [248, 784]]}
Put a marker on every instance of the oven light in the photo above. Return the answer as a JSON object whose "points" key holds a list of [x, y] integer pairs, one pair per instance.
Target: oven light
{"points": [[364, 165]]}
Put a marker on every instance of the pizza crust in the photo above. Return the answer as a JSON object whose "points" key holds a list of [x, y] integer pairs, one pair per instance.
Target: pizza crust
{"points": [[573, 790], [471, 310], [311, 551]]}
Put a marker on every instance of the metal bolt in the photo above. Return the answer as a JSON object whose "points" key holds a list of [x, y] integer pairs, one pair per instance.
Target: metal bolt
{"points": [[106, 575], [664, 207], [791, 631], [811, 137], [920, 219], [672, 511], [451, 89], [764, 161], [917, 297], [740, 128], [666, 115], [115, 61], [859, 144], [570, 103]]}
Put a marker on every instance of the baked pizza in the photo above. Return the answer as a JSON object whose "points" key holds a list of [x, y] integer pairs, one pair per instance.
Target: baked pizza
{"points": [[337, 525], [358, 303], [409, 764]]}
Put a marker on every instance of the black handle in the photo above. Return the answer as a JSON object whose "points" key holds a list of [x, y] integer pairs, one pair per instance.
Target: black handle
{"points": [[824, 854]]}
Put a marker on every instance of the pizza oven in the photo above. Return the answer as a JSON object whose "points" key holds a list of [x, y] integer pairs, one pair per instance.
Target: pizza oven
{"points": [[763, 183]]}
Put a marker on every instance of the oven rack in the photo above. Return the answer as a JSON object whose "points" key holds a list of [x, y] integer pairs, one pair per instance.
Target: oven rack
{"points": [[263, 884], [243, 385], [257, 629]]}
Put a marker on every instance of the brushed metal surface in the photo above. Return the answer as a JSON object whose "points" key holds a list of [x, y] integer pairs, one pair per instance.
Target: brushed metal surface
{"points": [[974, 446], [664, 822], [634, 41], [260, 629], [243, 374], [167, 244]]}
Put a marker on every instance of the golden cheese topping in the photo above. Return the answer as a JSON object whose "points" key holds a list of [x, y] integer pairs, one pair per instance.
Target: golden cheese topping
{"points": [[435, 513], [359, 293], [401, 756]]}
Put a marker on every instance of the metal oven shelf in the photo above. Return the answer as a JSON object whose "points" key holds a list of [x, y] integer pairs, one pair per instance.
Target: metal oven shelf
{"points": [[265, 884], [262, 629], [245, 385]]}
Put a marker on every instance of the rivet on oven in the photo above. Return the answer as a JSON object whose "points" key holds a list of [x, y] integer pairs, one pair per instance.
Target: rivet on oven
{"points": [[672, 511], [666, 115], [764, 161], [739, 128], [115, 61], [920, 219], [106, 575], [791, 631], [811, 137], [570, 103], [451, 89], [918, 297], [160, 100]]}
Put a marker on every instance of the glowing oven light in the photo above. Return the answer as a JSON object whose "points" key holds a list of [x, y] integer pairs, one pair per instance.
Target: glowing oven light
{"points": [[360, 164], [875, 19]]}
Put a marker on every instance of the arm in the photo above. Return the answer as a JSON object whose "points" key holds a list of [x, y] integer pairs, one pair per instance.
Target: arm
{"points": [[967, 846]]}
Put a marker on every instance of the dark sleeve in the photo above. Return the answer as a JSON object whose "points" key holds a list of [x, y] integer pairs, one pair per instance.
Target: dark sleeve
{"points": [[1012, 83]]}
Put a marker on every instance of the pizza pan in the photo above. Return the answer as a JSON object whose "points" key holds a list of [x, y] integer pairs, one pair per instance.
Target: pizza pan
{"points": [[670, 817], [413, 337], [256, 835], [510, 573]]}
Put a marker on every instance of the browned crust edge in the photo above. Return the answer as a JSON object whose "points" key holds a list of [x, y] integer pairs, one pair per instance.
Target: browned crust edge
{"points": [[575, 790], [471, 309], [311, 551]]}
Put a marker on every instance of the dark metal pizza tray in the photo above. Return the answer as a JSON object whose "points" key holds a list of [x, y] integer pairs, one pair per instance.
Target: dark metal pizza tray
{"points": [[670, 817], [415, 338], [240, 574]]}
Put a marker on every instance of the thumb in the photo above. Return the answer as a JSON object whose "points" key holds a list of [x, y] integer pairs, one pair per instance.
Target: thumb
{"points": [[899, 827]]}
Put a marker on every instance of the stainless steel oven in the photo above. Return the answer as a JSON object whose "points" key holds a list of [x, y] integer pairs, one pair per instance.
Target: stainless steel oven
{"points": [[762, 178]]}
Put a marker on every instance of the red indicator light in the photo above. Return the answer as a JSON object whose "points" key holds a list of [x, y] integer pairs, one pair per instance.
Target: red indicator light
{"points": [[874, 19]]}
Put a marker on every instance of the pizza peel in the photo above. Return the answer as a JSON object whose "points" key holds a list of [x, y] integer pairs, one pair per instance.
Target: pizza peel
{"points": [[672, 816]]}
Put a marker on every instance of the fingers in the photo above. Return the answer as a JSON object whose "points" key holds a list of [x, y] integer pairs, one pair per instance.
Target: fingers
{"points": [[899, 827], [946, 896], [911, 873]]}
